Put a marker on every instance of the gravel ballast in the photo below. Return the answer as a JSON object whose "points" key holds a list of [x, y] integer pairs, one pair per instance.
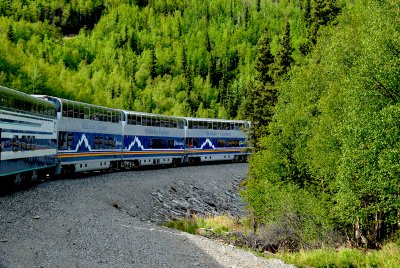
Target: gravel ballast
{"points": [[111, 220]]}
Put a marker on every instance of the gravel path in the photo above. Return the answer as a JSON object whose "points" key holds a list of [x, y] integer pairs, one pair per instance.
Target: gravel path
{"points": [[109, 220]]}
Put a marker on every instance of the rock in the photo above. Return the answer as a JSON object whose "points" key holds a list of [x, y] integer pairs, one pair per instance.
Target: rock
{"points": [[37, 217]]}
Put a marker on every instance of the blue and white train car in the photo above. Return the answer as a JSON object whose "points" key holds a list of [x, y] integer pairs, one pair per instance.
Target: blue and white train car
{"points": [[151, 139], [89, 136], [28, 136], [215, 140]]}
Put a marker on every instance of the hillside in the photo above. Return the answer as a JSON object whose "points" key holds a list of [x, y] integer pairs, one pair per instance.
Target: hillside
{"points": [[187, 57]]}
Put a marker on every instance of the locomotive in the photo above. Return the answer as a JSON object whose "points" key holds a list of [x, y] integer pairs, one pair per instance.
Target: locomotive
{"points": [[48, 136]]}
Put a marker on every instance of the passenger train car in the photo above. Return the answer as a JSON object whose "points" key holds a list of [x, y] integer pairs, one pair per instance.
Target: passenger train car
{"points": [[213, 140], [90, 137], [151, 139], [49, 135], [28, 136]]}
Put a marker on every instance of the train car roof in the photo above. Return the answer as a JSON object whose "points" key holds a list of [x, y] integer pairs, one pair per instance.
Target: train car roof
{"points": [[215, 120], [78, 102], [154, 115], [23, 96]]}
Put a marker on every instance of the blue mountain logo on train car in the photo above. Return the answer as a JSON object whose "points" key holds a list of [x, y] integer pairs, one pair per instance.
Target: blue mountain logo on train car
{"points": [[83, 145], [207, 145], [135, 145]]}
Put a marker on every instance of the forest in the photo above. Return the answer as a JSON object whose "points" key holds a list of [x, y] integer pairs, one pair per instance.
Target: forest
{"points": [[319, 79], [171, 57]]}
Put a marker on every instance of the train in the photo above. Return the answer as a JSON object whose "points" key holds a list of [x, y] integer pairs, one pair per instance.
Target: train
{"points": [[44, 136]]}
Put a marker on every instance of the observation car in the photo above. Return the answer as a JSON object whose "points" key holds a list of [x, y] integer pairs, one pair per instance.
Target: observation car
{"points": [[215, 140], [89, 137], [151, 139], [28, 136]]}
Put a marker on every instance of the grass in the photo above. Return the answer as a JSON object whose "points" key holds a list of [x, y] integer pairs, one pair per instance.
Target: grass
{"points": [[198, 225], [387, 257]]}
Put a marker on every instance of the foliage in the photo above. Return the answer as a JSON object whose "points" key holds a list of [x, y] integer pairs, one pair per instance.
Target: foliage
{"points": [[172, 57], [334, 136]]}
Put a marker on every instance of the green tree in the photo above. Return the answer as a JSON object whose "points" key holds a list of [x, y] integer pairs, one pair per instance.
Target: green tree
{"points": [[283, 58], [261, 96]]}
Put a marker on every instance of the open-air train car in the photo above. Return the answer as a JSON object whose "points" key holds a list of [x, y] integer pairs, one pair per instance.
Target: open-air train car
{"points": [[28, 136]]}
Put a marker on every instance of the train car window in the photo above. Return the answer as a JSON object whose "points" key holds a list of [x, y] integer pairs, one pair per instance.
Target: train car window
{"points": [[93, 113], [224, 126], [139, 120], [105, 115], [195, 142], [232, 127], [96, 142], [180, 124], [69, 140], [110, 116], [190, 124], [221, 143], [82, 111], [233, 143], [76, 110], [209, 125], [158, 144], [32, 142], [87, 112], [28, 143], [100, 144], [23, 143], [112, 142], [102, 115], [164, 122], [144, 120], [171, 144], [15, 143], [64, 110], [106, 143], [62, 140], [133, 118], [99, 116], [215, 125], [70, 108]]}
